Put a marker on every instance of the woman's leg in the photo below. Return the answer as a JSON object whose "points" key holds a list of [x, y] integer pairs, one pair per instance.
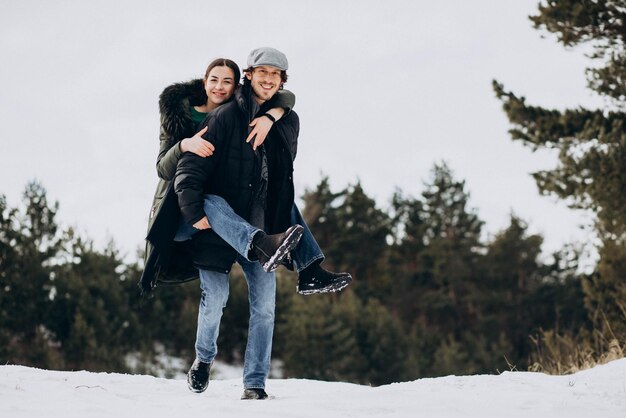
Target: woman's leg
{"points": [[307, 251], [232, 228], [249, 241], [238, 233], [307, 256], [214, 287], [184, 231]]}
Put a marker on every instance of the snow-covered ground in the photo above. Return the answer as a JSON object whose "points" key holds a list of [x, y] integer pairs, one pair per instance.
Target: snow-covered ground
{"points": [[599, 392]]}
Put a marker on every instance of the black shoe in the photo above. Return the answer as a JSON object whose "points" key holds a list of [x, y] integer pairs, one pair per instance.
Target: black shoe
{"points": [[198, 376], [315, 279], [254, 393], [272, 249]]}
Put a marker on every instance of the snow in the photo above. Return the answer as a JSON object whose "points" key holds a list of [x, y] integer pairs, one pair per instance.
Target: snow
{"points": [[598, 392]]}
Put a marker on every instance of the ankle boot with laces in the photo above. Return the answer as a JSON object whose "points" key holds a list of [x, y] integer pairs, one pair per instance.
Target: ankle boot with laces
{"points": [[271, 250]]}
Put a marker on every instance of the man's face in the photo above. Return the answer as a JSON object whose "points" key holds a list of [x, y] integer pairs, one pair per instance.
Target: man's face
{"points": [[265, 81]]}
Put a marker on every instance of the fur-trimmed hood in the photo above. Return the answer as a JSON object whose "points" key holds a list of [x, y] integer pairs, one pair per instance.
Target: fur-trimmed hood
{"points": [[174, 104]]}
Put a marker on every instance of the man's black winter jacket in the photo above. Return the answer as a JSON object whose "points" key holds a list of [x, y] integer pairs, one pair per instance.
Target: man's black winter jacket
{"points": [[233, 172]]}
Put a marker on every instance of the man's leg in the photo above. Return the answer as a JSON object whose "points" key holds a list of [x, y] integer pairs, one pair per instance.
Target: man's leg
{"points": [[214, 287], [262, 300]]}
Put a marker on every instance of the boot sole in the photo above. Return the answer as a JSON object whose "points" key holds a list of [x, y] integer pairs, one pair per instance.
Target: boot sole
{"points": [[332, 288], [254, 397], [290, 242], [191, 388], [243, 398]]}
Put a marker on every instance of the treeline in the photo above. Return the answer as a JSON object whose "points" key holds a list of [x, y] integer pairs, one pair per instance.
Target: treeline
{"points": [[429, 297], [63, 304]]}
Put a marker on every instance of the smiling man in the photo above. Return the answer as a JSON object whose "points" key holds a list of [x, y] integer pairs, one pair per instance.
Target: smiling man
{"points": [[258, 185]]}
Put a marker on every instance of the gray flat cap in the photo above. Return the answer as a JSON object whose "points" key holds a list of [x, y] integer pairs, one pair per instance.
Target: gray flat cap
{"points": [[268, 56]]}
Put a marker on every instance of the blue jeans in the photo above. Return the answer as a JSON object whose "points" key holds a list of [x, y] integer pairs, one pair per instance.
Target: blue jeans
{"points": [[262, 300], [238, 233], [308, 250]]}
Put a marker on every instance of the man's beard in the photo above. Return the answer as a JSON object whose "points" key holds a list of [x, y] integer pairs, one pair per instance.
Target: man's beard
{"points": [[263, 94]]}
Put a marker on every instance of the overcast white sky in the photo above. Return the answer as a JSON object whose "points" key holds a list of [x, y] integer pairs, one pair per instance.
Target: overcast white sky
{"points": [[384, 90]]}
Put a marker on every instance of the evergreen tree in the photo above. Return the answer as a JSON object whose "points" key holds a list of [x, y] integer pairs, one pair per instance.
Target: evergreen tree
{"points": [[384, 345], [320, 342], [171, 318], [8, 258], [408, 264], [285, 297], [31, 243], [591, 173], [408, 228], [521, 295], [452, 236], [513, 275], [602, 24], [360, 243], [436, 269], [353, 233], [62, 303], [90, 313], [320, 214], [605, 292]]}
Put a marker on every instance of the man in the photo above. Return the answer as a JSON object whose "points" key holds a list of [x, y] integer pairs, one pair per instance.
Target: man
{"points": [[257, 184]]}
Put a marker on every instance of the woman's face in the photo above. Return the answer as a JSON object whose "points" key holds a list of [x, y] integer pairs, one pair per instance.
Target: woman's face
{"points": [[220, 85]]}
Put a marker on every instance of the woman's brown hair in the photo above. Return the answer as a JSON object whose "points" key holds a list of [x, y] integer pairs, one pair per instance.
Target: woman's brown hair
{"points": [[224, 62]]}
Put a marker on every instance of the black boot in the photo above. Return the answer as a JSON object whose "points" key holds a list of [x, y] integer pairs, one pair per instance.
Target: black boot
{"points": [[198, 376], [315, 279], [254, 393], [270, 250]]}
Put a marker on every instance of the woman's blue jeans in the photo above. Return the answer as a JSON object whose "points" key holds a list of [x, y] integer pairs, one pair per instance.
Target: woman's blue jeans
{"points": [[238, 233]]}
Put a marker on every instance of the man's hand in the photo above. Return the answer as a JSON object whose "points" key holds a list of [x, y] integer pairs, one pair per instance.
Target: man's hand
{"points": [[202, 224], [262, 126], [197, 145]]}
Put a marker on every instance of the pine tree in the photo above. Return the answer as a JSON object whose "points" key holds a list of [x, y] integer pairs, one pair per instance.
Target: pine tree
{"points": [[31, 244], [452, 236], [384, 345], [352, 232], [91, 313], [408, 228], [8, 258], [591, 173], [360, 243], [513, 275], [408, 259], [599, 23], [320, 214], [320, 341]]}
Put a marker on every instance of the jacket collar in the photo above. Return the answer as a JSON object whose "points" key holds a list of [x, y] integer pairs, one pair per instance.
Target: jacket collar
{"points": [[246, 102], [174, 105]]}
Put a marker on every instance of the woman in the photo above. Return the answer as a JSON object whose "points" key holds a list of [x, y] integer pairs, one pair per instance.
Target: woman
{"points": [[183, 106]]}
